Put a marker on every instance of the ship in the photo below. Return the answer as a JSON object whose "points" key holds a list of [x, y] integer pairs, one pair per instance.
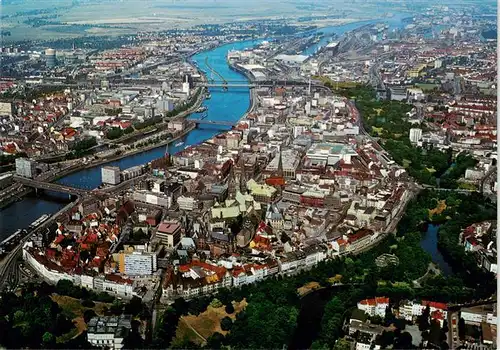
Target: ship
{"points": [[201, 109], [179, 144], [208, 96], [10, 238], [39, 221]]}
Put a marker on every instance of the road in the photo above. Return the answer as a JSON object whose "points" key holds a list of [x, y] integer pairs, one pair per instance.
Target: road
{"points": [[9, 269]]}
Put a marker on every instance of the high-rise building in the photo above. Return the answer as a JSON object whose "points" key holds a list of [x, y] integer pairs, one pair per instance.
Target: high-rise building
{"points": [[25, 167], [110, 175], [186, 88], [137, 263], [187, 78], [50, 57]]}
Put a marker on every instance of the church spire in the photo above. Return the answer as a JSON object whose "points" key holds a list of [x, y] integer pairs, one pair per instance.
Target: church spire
{"points": [[231, 182], [279, 172], [243, 175]]}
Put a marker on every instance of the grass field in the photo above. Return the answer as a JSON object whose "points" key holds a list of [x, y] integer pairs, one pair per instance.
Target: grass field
{"points": [[199, 328], [426, 87], [73, 309]]}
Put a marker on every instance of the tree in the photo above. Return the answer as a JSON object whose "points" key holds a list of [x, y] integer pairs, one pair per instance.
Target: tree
{"points": [[404, 341], [229, 308], [216, 303], [423, 320], [215, 341], [116, 308], [461, 329], [400, 323], [88, 303], [317, 345], [385, 339], [134, 307], [342, 344], [18, 316], [435, 333], [48, 339], [114, 133], [226, 323], [88, 315], [445, 326]]}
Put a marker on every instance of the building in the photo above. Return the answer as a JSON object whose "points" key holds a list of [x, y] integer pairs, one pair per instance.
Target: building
{"points": [[415, 135], [25, 167], [110, 175], [137, 263], [328, 154], [375, 306], [410, 310], [194, 279], [132, 172], [109, 331], [169, 233], [50, 58], [476, 315]]}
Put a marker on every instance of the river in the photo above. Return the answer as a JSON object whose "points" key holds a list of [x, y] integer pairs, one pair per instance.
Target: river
{"points": [[223, 106], [429, 244]]}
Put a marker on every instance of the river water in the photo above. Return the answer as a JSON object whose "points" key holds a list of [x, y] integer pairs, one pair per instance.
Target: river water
{"points": [[429, 244], [223, 106]]}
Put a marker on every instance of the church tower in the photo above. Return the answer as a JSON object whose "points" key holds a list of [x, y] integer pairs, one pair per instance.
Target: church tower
{"points": [[243, 175]]}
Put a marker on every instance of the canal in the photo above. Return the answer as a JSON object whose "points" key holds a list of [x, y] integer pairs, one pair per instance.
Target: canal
{"points": [[223, 106]]}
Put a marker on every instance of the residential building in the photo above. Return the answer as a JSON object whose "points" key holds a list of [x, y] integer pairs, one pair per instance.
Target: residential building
{"points": [[374, 307], [410, 310]]}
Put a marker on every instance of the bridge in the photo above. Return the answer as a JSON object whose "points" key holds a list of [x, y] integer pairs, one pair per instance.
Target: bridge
{"points": [[259, 83], [50, 186]]}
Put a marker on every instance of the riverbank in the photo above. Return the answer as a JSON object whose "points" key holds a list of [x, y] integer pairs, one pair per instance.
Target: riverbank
{"points": [[251, 79], [223, 106], [5, 202], [164, 143]]}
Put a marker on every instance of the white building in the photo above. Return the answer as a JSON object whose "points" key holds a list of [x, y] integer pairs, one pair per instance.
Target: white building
{"points": [[410, 310], [375, 306], [139, 263], [25, 167], [415, 135], [322, 154], [110, 175], [187, 203], [53, 273], [479, 314], [108, 331]]}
